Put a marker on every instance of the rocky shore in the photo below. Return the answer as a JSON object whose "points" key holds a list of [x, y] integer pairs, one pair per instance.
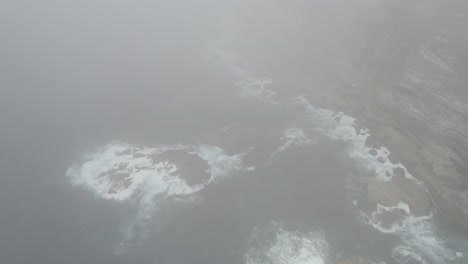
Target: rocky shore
{"points": [[421, 113], [401, 69]]}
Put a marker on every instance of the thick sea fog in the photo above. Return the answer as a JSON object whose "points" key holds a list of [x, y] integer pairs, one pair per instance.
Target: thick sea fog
{"points": [[170, 132]]}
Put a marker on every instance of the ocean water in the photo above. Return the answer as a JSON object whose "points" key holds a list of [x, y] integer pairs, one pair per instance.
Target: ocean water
{"points": [[203, 162], [296, 206]]}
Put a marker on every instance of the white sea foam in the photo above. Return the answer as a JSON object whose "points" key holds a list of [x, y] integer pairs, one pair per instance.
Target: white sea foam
{"points": [[250, 85], [219, 163], [257, 88], [400, 214], [293, 136], [423, 241], [339, 126], [404, 255], [277, 245], [117, 170], [335, 125], [126, 173], [419, 233]]}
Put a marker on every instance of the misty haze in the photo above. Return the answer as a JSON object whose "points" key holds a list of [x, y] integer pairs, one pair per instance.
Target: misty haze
{"points": [[234, 131]]}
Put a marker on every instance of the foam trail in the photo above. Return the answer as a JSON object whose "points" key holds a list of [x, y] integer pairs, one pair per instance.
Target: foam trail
{"points": [[339, 126], [418, 232], [402, 214], [404, 254], [250, 85], [335, 125], [219, 163], [143, 176], [293, 136], [277, 245], [117, 171], [423, 242], [420, 239]]}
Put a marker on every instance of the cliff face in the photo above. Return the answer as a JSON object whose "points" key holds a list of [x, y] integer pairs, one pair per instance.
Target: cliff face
{"points": [[417, 97]]}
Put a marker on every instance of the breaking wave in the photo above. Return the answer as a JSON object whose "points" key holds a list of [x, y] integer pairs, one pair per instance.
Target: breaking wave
{"points": [[147, 177], [421, 240], [334, 125], [293, 136], [150, 177], [118, 171], [277, 245]]}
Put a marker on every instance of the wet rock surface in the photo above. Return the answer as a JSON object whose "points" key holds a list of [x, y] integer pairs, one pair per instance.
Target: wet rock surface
{"points": [[402, 72], [421, 112], [408, 191]]}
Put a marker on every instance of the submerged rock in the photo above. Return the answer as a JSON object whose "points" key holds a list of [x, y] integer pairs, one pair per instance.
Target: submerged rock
{"points": [[191, 167]]}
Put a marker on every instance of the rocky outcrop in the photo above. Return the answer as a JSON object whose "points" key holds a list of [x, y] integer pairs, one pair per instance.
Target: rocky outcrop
{"points": [[427, 99], [390, 194], [411, 91], [400, 67], [191, 167]]}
